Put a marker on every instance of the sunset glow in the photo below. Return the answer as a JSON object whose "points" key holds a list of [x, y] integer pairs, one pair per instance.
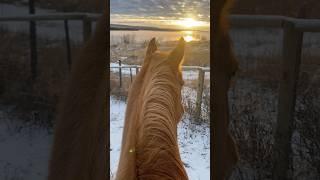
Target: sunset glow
{"points": [[188, 36], [170, 22], [189, 23], [180, 15]]}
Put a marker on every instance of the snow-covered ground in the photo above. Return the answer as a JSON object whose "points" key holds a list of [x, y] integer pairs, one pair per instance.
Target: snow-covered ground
{"points": [[25, 150], [194, 142], [24, 153]]}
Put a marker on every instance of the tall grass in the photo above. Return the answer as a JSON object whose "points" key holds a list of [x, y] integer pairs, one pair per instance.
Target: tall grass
{"points": [[254, 103], [31, 98]]}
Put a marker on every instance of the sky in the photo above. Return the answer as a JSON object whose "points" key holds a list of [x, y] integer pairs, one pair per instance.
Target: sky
{"points": [[181, 14]]}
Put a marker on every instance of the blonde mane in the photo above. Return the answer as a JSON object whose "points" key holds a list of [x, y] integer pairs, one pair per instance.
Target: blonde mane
{"points": [[78, 151], [149, 146]]}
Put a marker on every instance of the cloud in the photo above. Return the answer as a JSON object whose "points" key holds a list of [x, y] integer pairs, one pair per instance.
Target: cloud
{"points": [[172, 9]]}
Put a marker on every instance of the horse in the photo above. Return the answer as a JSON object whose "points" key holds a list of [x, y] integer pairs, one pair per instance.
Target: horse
{"points": [[78, 151], [149, 148], [224, 68]]}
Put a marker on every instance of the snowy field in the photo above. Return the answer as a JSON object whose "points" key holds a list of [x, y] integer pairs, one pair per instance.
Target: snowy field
{"points": [[24, 152], [194, 142]]}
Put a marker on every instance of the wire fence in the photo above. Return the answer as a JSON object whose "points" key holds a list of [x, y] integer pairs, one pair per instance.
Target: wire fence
{"points": [[196, 90]]}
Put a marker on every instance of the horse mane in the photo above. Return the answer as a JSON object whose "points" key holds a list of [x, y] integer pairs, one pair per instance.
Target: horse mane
{"points": [[158, 125], [224, 67], [149, 146], [78, 151]]}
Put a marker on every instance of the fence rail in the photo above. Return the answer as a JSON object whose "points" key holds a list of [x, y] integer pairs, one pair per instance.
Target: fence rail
{"points": [[86, 18], [200, 82], [184, 68], [52, 17], [271, 21]]}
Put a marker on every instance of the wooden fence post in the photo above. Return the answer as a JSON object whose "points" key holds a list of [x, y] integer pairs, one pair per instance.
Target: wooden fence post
{"points": [[120, 74], [292, 42], [130, 75], [87, 28], [199, 94]]}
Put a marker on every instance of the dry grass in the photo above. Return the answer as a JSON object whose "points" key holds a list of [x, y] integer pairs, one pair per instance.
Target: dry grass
{"points": [[196, 53], [253, 108], [17, 88], [115, 89], [268, 69]]}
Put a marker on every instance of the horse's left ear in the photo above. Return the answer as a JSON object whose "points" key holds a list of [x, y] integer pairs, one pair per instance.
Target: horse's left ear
{"points": [[152, 47], [176, 56]]}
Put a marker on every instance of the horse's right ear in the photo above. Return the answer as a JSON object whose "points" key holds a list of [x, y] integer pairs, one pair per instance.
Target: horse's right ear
{"points": [[176, 56], [152, 47]]}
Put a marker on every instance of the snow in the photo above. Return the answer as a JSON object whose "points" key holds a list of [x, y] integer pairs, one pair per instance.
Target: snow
{"points": [[23, 154], [194, 142], [117, 109]]}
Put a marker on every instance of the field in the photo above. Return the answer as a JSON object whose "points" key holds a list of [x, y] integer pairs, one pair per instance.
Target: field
{"points": [[254, 103]]}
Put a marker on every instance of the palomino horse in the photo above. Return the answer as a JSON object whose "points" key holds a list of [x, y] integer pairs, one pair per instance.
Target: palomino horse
{"points": [[149, 144], [224, 67], [78, 151]]}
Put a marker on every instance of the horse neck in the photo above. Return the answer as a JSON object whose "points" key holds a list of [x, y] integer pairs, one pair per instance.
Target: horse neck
{"points": [[140, 139], [79, 130], [157, 152], [126, 167]]}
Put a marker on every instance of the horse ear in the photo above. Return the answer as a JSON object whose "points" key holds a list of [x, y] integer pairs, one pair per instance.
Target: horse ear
{"points": [[152, 47], [176, 56]]}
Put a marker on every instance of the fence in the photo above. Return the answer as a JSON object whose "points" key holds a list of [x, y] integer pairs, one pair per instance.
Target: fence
{"points": [[291, 60], [86, 19], [200, 81]]}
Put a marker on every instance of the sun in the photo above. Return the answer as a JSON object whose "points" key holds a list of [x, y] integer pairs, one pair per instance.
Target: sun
{"points": [[189, 22], [188, 38]]}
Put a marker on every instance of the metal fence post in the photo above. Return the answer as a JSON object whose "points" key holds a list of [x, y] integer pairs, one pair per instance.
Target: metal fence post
{"points": [[292, 42]]}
